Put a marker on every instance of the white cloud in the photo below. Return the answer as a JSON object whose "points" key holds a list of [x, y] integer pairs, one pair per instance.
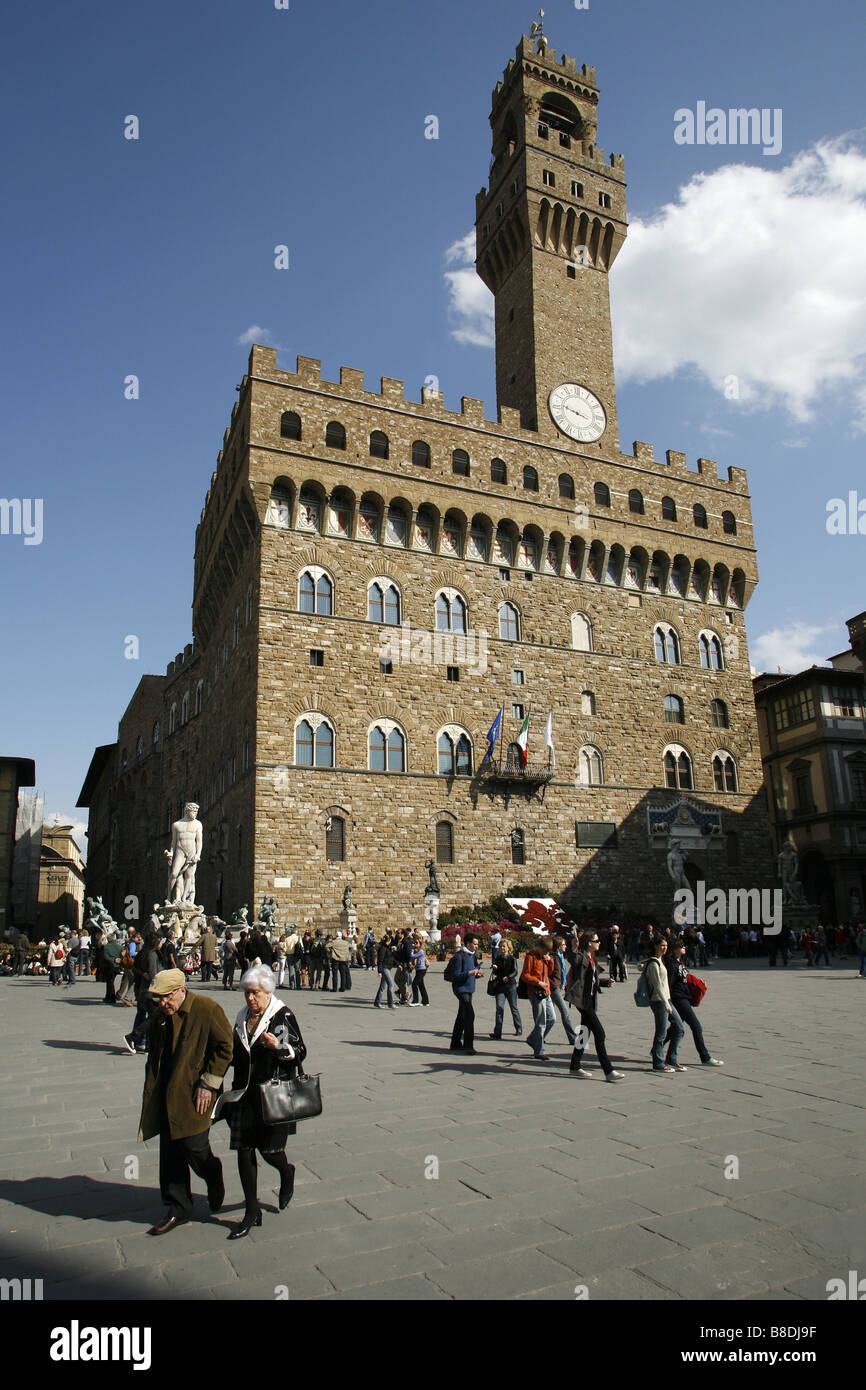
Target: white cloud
{"points": [[756, 274], [791, 648], [470, 303], [256, 334], [752, 273]]}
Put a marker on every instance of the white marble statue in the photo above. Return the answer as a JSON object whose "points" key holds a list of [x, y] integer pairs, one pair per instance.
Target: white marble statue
{"points": [[183, 856]]}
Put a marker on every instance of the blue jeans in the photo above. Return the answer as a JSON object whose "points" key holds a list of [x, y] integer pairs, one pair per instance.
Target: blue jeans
{"points": [[509, 993], [542, 1013], [561, 1007], [387, 981], [667, 1025]]}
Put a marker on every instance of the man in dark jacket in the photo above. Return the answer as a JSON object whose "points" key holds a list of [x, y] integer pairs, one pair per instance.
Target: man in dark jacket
{"points": [[464, 973], [189, 1048]]}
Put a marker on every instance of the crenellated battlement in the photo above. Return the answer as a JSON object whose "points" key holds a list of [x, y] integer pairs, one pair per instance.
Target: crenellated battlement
{"points": [[392, 392]]}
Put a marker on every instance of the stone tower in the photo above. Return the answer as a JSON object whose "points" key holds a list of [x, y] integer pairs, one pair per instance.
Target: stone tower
{"points": [[547, 232]]}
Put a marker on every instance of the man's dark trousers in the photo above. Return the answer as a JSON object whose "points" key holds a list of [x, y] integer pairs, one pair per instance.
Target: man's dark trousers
{"points": [[176, 1157], [464, 1026]]}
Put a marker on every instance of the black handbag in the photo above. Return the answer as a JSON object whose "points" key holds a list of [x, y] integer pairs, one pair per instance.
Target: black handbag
{"points": [[285, 1102]]}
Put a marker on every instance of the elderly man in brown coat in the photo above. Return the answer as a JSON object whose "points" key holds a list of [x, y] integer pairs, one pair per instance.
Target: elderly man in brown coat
{"points": [[189, 1048]]}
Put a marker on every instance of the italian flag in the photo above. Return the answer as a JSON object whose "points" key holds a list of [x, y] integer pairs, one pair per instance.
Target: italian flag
{"points": [[523, 739]]}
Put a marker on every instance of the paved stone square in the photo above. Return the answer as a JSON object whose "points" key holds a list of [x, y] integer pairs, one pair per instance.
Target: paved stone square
{"points": [[432, 1175]]}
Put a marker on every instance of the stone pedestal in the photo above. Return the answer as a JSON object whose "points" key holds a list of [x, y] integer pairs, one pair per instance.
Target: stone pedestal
{"points": [[348, 919]]}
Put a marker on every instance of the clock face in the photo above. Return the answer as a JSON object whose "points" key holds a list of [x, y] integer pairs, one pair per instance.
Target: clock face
{"points": [[577, 412]]}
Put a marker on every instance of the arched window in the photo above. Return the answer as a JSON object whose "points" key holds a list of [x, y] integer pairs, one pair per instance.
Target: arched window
{"points": [[581, 632], [455, 755], [678, 768], [566, 486], [421, 454], [450, 611], [290, 425], [444, 842], [509, 624], [514, 758], [383, 603], [674, 710], [530, 479], [729, 523], [669, 509], [184, 708], [700, 515], [387, 749], [314, 742], [172, 719], [316, 592], [719, 714], [590, 768], [379, 445], [155, 735], [279, 511], [199, 698], [335, 839], [667, 645], [309, 516], [724, 773], [635, 501], [498, 471], [587, 702], [139, 747], [601, 492], [249, 605], [518, 847], [460, 463], [335, 435], [711, 652]]}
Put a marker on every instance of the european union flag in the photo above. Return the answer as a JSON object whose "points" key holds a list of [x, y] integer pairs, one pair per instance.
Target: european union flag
{"points": [[493, 734]]}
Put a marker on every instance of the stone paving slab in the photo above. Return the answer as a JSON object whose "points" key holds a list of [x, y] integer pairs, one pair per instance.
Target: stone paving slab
{"points": [[544, 1183]]}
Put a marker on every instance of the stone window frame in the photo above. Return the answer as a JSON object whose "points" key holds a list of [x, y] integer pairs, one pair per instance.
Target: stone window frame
{"points": [[184, 708], [677, 713], [381, 449], [667, 631], [387, 727], [720, 714], [600, 492], [317, 572], [451, 827], [587, 702], [726, 761], [589, 758], [677, 752], [198, 701], [385, 582], [155, 734], [315, 719], [576, 619], [335, 431], [287, 424], [507, 604], [709, 642], [451, 595], [517, 835], [455, 732]]}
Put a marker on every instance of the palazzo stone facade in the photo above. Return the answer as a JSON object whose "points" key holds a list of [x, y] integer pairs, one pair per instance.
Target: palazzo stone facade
{"points": [[376, 577]]}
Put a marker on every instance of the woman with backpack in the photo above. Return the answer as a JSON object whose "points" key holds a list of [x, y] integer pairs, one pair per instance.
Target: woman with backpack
{"points": [[55, 962], [582, 991], [681, 998], [668, 1024]]}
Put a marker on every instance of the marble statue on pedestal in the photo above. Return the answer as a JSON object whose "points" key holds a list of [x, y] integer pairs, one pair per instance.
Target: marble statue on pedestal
{"points": [[184, 856]]}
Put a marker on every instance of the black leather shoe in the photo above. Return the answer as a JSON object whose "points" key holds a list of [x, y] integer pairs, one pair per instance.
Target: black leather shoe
{"points": [[246, 1226], [216, 1194], [287, 1188], [168, 1223]]}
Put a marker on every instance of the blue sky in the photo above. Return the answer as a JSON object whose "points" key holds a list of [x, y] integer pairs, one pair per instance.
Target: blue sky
{"points": [[306, 127]]}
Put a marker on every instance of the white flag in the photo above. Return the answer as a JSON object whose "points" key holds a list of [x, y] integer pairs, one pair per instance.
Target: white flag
{"points": [[548, 738]]}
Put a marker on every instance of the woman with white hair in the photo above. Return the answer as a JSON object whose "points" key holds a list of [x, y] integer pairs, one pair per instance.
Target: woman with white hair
{"points": [[267, 1046]]}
